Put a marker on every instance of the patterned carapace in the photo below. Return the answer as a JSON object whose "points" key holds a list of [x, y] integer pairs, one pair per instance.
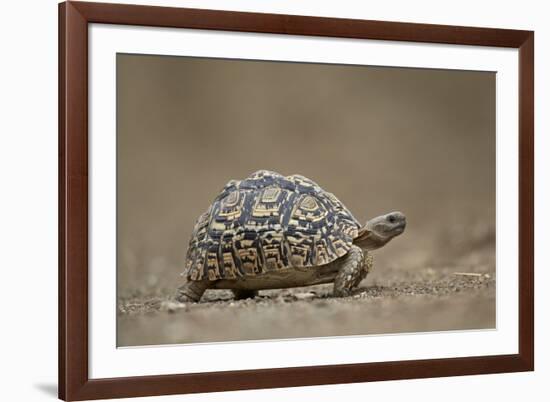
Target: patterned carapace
{"points": [[268, 222]]}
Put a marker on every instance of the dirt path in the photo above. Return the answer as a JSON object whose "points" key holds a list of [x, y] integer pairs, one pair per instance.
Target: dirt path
{"points": [[429, 301]]}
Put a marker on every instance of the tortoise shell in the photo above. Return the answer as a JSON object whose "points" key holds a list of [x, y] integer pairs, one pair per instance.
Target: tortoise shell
{"points": [[268, 222]]}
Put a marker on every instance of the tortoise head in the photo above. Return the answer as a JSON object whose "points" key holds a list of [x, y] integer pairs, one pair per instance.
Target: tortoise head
{"points": [[380, 230]]}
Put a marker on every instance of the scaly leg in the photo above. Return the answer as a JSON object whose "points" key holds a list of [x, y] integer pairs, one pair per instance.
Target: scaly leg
{"points": [[355, 267], [191, 291]]}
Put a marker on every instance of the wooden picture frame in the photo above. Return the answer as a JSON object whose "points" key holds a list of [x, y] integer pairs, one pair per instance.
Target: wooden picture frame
{"points": [[74, 381]]}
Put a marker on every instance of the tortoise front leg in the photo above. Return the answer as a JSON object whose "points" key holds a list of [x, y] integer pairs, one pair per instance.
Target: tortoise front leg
{"points": [[192, 291], [355, 267]]}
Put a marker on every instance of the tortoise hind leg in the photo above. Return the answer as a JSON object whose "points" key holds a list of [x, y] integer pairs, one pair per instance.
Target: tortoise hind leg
{"points": [[241, 294], [192, 291], [355, 267]]}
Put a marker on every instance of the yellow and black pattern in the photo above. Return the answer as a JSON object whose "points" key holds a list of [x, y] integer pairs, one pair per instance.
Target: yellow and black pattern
{"points": [[268, 222]]}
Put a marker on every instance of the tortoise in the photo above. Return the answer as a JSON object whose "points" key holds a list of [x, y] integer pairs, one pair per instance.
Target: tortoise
{"points": [[269, 231]]}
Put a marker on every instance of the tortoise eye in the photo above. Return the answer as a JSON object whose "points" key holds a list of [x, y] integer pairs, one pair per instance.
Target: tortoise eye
{"points": [[391, 219]]}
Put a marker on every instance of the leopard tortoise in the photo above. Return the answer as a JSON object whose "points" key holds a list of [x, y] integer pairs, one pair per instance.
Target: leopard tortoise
{"points": [[269, 231]]}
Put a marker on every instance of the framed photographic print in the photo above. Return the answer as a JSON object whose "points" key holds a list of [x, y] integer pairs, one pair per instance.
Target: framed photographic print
{"points": [[260, 200]]}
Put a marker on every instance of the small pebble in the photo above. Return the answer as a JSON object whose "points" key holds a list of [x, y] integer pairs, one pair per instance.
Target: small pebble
{"points": [[305, 296], [172, 307]]}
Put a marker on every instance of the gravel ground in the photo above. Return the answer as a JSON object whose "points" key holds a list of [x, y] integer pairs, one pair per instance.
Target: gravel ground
{"points": [[433, 299]]}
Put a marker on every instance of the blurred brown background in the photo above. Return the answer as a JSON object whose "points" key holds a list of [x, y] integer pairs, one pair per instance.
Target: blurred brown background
{"points": [[417, 140]]}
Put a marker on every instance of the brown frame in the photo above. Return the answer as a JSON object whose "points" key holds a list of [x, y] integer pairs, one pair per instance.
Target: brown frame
{"points": [[74, 383]]}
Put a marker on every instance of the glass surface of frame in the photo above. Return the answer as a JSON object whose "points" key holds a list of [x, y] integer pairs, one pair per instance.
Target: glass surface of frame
{"points": [[108, 360]]}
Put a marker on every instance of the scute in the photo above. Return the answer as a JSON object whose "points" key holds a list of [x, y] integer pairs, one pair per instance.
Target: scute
{"points": [[268, 222]]}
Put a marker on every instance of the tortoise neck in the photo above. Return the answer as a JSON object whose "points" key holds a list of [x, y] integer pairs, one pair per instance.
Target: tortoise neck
{"points": [[369, 241]]}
